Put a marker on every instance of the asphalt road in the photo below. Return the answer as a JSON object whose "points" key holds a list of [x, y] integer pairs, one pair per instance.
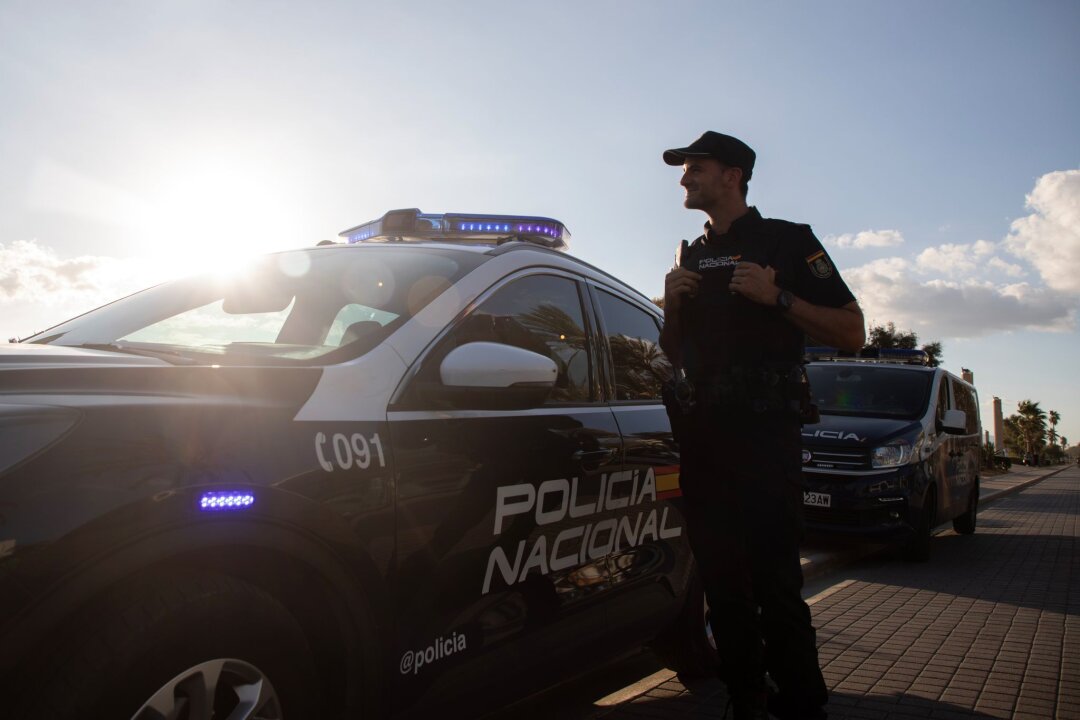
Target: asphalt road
{"points": [[852, 592]]}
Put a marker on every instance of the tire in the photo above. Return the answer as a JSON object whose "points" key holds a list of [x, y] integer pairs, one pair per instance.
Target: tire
{"points": [[965, 524], [686, 646], [154, 646], [918, 549]]}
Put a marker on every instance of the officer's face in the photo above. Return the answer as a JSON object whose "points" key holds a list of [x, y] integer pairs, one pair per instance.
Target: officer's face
{"points": [[708, 183]]}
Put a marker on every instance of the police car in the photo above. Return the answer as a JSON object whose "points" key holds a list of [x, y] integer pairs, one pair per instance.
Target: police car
{"points": [[896, 451], [425, 467]]}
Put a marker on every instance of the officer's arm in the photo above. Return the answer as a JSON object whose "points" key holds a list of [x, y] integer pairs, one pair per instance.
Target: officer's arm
{"points": [[841, 327], [678, 284]]}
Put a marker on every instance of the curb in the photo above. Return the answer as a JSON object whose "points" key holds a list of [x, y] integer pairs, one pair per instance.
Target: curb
{"points": [[998, 494]]}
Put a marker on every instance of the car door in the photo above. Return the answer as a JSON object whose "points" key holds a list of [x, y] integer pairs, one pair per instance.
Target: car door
{"points": [[503, 529], [651, 560]]}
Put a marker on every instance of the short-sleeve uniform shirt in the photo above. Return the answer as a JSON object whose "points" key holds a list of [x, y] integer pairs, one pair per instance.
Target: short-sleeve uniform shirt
{"points": [[723, 330]]}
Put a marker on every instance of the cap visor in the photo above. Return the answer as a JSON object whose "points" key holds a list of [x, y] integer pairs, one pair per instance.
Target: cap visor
{"points": [[678, 157]]}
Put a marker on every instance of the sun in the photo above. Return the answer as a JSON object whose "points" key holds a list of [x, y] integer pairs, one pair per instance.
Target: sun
{"points": [[215, 216]]}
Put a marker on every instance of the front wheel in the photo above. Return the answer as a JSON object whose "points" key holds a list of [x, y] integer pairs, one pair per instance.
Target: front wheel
{"points": [[965, 524], [194, 646]]}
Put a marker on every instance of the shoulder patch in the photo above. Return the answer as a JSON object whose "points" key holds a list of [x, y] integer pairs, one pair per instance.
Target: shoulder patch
{"points": [[819, 264]]}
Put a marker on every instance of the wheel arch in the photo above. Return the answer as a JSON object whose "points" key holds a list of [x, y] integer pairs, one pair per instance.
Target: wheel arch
{"points": [[310, 561]]}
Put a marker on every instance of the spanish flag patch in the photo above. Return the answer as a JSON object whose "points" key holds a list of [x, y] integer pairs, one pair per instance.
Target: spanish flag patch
{"points": [[667, 482]]}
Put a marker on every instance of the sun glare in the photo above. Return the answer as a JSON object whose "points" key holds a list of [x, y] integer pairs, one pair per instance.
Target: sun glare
{"points": [[215, 217]]}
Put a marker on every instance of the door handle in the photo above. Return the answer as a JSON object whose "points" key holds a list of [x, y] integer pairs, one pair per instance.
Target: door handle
{"points": [[593, 456]]}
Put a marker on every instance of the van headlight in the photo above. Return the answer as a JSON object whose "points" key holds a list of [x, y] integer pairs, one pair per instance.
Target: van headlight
{"points": [[899, 452]]}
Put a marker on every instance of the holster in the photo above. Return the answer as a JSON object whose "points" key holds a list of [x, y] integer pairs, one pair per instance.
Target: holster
{"points": [[679, 397]]}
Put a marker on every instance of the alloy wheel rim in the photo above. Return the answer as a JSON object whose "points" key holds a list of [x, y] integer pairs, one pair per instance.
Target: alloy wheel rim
{"points": [[220, 688]]}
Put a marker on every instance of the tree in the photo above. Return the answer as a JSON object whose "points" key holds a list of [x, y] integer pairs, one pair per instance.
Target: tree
{"points": [[1027, 428], [887, 336]]}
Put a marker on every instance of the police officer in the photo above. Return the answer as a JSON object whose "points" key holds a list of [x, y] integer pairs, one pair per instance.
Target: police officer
{"points": [[737, 309]]}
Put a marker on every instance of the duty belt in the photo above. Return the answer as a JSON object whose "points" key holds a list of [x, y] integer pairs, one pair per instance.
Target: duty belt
{"points": [[756, 389]]}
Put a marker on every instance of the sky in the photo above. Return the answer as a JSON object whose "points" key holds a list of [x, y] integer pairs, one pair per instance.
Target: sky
{"points": [[932, 146]]}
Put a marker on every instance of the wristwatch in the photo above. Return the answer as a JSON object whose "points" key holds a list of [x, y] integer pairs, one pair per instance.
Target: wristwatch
{"points": [[785, 300]]}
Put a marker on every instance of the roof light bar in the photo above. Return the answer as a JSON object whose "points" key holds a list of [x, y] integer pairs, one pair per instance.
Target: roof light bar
{"points": [[899, 356], [411, 224]]}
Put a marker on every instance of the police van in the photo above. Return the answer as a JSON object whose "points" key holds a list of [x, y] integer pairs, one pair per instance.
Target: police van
{"points": [[426, 467], [896, 451]]}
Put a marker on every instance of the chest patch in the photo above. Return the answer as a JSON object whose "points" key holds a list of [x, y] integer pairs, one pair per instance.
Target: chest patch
{"points": [[711, 263], [820, 265]]}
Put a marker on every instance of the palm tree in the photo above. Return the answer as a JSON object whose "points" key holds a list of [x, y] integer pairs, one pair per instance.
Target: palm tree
{"points": [[1031, 426], [1054, 417]]}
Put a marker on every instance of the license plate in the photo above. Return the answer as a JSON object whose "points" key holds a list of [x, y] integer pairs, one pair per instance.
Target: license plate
{"points": [[816, 499]]}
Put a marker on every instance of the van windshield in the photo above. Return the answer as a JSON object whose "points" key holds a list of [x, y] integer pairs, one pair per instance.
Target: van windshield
{"points": [[869, 390]]}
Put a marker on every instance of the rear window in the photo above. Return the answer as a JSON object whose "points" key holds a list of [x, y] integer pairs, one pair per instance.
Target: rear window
{"points": [[869, 390]]}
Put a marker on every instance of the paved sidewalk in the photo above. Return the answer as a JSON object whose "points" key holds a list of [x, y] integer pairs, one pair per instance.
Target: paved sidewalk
{"points": [[989, 628]]}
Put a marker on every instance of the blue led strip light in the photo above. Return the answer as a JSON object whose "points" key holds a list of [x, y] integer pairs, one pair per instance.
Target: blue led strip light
{"points": [[216, 500]]}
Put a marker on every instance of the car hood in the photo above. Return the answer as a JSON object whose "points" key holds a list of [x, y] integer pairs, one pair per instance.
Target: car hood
{"points": [[848, 430], [29, 355]]}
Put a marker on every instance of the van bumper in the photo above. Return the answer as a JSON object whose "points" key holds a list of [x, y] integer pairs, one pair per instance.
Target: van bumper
{"points": [[881, 506]]}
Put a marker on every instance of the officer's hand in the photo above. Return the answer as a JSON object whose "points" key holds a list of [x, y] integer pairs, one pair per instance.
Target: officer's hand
{"points": [[755, 283], [678, 284]]}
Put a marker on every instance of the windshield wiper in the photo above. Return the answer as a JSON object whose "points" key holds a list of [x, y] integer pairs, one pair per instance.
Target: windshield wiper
{"points": [[172, 356]]}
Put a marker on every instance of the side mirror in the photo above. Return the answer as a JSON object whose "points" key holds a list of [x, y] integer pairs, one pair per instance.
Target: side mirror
{"points": [[954, 422], [487, 375]]}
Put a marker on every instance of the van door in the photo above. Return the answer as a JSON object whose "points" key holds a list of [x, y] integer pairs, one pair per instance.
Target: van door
{"points": [[966, 447]]}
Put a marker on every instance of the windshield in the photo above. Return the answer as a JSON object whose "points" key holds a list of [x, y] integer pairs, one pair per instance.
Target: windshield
{"points": [[290, 307], [869, 390]]}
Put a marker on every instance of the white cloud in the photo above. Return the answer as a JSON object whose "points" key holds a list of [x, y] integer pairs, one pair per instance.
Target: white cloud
{"points": [[1049, 238], [891, 289], [955, 259], [866, 239], [1010, 269], [32, 273]]}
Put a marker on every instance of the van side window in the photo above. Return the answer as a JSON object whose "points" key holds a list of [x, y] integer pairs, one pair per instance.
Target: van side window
{"points": [[943, 398], [965, 400]]}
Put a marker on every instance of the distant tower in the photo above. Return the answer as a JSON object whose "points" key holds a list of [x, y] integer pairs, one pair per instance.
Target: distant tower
{"points": [[968, 376], [999, 426]]}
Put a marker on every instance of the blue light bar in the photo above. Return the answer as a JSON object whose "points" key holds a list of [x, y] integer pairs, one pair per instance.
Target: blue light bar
{"points": [[218, 500], [411, 224], [884, 355]]}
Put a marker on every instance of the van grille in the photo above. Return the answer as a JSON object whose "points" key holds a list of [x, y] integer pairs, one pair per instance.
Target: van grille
{"points": [[832, 458]]}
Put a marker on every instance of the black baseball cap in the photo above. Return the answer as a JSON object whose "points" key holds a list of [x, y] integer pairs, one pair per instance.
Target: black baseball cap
{"points": [[727, 149]]}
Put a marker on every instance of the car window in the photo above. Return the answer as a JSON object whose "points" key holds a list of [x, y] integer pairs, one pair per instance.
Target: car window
{"points": [[542, 313], [289, 307], [633, 340]]}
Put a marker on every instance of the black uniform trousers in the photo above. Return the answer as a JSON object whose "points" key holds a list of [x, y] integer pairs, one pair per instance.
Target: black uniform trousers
{"points": [[741, 480]]}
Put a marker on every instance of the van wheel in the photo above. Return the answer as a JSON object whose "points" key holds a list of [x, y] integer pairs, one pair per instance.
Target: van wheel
{"points": [[918, 549], [182, 645], [687, 645], [965, 524]]}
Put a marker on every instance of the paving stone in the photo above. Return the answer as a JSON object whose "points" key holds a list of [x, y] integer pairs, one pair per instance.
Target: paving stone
{"points": [[990, 627]]}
